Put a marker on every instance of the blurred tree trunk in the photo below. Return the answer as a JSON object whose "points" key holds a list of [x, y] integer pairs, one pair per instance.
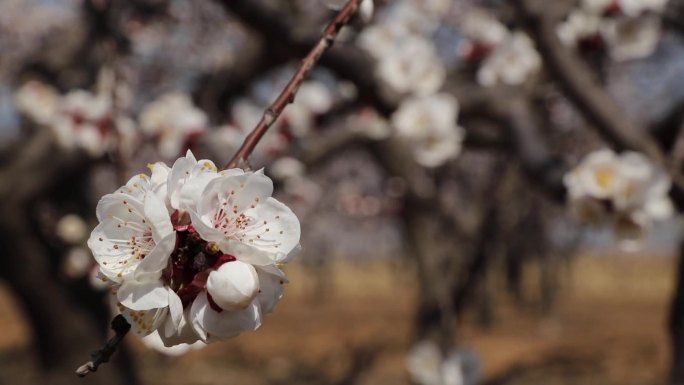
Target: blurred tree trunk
{"points": [[65, 330], [677, 325]]}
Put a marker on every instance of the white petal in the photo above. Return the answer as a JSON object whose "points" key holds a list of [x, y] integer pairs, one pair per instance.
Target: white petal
{"points": [[158, 259], [233, 286], [275, 229], [182, 333], [191, 191], [158, 216], [366, 10], [225, 324], [123, 237], [197, 314], [239, 192], [205, 230], [271, 281], [180, 173], [143, 296], [175, 313], [144, 322], [246, 253]]}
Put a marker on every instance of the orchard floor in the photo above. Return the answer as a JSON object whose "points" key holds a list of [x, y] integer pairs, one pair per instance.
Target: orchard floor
{"points": [[607, 327]]}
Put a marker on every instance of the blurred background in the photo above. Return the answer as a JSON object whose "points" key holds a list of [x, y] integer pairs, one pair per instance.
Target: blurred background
{"points": [[427, 157]]}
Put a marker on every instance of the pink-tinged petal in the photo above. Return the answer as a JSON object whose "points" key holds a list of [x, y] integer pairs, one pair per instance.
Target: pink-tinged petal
{"points": [[277, 229], [143, 296], [158, 216], [158, 258], [226, 324], [271, 280], [143, 322]]}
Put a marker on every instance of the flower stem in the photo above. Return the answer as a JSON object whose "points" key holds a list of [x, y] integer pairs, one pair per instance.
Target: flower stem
{"points": [[121, 328], [288, 94]]}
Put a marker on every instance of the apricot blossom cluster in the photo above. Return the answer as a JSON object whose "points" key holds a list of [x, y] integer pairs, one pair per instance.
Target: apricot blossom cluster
{"points": [[192, 252]]}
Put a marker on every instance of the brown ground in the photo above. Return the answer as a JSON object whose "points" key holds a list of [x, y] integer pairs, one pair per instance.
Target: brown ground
{"points": [[608, 327]]}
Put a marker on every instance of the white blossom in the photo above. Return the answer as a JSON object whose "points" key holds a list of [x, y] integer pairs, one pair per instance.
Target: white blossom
{"points": [[429, 124], [480, 26], [421, 18], [631, 38], [132, 245], [428, 366], [237, 212], [71, 229], [83, 120], [580, 25], [174, 121], [192, 252], [379, 40], [38, 101], [412, 67], [512, 62], [639, 7], [627, 189], [287, 167]]}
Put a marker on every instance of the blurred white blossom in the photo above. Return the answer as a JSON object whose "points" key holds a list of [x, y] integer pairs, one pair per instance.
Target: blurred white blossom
{"points": [[84, 120], [71, 229], [631, 38], [627, 189], [411, 67], [580, 25], [511, 62], [427, 365], [429, 125], [173, 120], [480, 26], [38, 101]]}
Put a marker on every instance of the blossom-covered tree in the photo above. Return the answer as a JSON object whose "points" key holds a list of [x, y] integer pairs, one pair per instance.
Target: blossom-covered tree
{"points": [[464, 131]]}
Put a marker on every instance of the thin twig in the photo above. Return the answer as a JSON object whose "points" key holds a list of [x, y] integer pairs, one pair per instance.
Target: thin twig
{"points": [[287, 96], [121, 328]]}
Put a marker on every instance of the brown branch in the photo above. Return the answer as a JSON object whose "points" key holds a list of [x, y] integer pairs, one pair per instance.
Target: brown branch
{"points": [[581, 86], [588, 95], [287, 96], [121, 328]]}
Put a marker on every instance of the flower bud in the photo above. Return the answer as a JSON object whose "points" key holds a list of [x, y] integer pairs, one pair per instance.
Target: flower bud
{"points": [[233, 286]]}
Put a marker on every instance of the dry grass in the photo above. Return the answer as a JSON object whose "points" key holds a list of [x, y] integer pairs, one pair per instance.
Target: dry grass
{"points": [[608, 327]]}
